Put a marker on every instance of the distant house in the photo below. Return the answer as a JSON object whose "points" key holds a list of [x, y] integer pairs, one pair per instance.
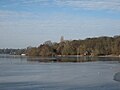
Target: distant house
{"points": [[23, 54], [87, 53]]}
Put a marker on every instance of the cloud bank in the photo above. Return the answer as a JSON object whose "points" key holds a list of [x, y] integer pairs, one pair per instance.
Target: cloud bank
{"points": [[80, 4], [92, 4]]}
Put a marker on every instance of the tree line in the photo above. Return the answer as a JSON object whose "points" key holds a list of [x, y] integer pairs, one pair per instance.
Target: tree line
{"points": [[13, 51], [96, 46]]}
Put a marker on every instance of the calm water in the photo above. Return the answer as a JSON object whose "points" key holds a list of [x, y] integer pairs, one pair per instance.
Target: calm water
{"points": [[21, 73]]}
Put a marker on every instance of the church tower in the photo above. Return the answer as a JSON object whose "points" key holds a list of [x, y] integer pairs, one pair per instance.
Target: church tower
{"points": [[62, 39]]}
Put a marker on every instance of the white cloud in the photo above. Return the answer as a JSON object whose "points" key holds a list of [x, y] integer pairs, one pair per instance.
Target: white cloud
{"points": [[91, 4], [35, 2], [80, 4], [29, 2], [6, 15]]}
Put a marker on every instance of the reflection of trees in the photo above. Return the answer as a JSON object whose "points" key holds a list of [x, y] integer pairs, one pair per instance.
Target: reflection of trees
{"points": [[72, 59], [40, 59]]}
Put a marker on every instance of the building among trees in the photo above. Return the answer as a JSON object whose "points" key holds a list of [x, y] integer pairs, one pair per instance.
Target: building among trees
{"points": [[62, 39]]}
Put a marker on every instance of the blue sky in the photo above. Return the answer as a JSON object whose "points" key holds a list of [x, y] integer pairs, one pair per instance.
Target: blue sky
{"points": [[31, 22]]}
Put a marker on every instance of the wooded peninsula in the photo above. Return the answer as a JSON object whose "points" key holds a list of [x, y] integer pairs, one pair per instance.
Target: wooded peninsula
{"points": [[97, 46]]}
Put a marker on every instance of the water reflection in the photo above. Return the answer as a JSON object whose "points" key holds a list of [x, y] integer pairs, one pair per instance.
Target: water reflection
{"points": [[27, 74], [73, 59], [19, 58], [12, 56]]}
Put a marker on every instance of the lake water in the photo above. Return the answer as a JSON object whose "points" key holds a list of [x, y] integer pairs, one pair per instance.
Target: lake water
{"points": [[22, 73]]}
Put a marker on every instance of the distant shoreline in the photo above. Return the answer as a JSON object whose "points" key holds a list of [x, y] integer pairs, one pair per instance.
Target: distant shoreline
{"points": [[61, 56], [73, 56], [64, 58]]}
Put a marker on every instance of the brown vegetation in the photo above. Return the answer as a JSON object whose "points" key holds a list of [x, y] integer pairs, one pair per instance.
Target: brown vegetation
{"points": [[90, 46]]}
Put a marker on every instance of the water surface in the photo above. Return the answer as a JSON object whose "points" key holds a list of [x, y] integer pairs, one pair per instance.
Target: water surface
{"points": [[20, 73]]}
